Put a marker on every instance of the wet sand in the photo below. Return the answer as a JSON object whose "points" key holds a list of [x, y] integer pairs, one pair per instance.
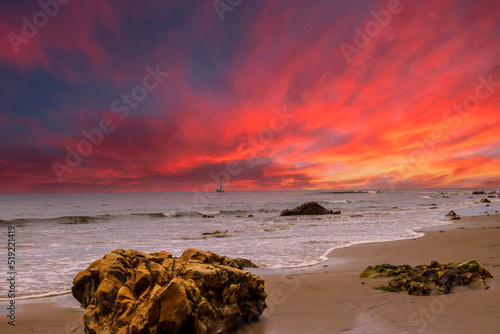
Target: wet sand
{"points": [[331, 298]]}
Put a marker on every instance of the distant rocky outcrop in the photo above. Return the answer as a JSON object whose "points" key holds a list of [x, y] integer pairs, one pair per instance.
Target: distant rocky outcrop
{"points": [[453, 215], [128, 291], [310, 208], [480, 192], [485, 200], [435, 277]]}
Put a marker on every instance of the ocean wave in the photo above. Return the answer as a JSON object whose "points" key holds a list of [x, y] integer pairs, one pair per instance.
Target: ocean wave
{"points": [[268, 210], [44, 295], [67, 220], [379, 214], [13, 221], [202, 237], [171, 214], [232, 212], [152, 214], [319, 242], [75, 220], [70, 220]]}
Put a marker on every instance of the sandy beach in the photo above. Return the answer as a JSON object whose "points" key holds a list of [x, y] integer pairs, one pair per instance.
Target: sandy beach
{"points": [[331, 298]]}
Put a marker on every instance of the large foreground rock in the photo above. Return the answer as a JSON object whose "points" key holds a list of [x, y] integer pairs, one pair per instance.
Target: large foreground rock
{"points": [[310, 208], [128, 291], [435, 277]]}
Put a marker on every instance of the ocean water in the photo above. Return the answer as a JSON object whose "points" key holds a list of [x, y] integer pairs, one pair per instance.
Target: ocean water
{"points": [[58, 235]]}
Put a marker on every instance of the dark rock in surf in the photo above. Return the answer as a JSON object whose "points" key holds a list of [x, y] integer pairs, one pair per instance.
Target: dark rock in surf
{"points": [[478, 193], [214, 233], [453, 215], [310, 208], [244, 263], [485, 200]]}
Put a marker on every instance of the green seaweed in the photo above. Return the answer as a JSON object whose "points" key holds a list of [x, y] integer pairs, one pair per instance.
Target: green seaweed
{"points": [[378, 271], [422, 279], [388, 288]]}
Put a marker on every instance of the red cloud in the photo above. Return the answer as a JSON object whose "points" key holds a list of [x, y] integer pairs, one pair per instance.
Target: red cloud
{"points": [[388, 118]]}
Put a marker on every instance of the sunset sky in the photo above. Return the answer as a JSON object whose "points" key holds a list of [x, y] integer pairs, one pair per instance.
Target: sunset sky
{"points": [[119, 96]]}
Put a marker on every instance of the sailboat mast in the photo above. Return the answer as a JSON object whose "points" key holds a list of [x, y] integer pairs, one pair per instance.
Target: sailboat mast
{"points": [[220, 187]]}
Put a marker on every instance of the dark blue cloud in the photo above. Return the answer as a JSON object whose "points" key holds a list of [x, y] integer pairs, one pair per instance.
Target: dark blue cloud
{"points": [[30, 96]]}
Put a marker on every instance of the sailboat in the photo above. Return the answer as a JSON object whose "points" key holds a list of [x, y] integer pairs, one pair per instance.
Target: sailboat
{"points": [[220, 187]]}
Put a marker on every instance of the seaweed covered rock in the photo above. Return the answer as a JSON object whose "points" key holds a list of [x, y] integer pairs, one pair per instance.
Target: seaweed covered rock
{"points": [[310, 208], [435, 277], [128, 291]]}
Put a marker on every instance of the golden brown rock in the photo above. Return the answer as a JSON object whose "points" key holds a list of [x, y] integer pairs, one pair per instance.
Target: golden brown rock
{"points": [[128, 291]]}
